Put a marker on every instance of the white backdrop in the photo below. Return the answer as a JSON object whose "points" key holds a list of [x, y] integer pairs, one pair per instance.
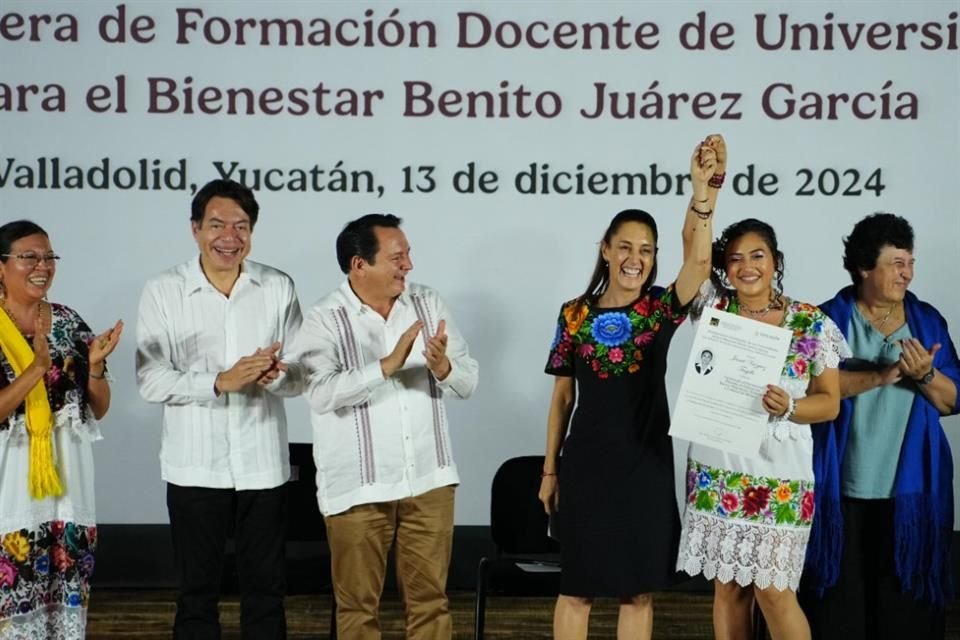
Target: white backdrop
{"points": [[504, 260]]}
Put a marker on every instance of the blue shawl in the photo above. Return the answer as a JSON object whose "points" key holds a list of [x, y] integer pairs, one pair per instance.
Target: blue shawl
{"points": [[923, 485]]}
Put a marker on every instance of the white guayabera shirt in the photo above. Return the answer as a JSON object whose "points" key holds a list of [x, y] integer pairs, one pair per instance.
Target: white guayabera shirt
{"points": [[377, 439], [188, 332]]}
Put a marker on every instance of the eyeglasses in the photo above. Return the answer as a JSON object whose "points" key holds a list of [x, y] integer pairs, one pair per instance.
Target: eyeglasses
{"points": [[33, 260]]}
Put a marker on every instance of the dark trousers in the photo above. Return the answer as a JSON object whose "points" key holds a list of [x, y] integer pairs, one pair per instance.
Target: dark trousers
{"points": [[867, 602], [200, 521]]}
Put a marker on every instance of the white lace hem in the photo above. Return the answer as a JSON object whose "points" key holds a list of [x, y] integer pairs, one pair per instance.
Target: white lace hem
{"points": [[727, 550], [68, 417], [55, 622]]}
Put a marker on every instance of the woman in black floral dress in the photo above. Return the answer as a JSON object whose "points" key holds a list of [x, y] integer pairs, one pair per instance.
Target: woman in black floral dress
{"points": [[613, 493], [53, 388]]}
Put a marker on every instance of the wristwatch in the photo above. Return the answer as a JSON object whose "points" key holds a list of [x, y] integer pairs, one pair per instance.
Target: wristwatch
{"points": [[927, 377]]}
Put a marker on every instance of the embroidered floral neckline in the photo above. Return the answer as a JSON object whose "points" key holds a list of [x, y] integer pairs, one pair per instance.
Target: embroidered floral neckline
{"points": [[614, 339]]}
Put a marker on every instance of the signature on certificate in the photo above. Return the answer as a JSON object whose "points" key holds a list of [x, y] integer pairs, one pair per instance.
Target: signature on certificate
{"points": [[746, 365]]}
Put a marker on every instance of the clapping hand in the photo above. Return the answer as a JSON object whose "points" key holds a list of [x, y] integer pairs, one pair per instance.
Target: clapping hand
{"points": [[41, 348], [247, 369], [395, 361], [277, 365], [915, 361], [708, 163], [104, 344], [436, 352]]}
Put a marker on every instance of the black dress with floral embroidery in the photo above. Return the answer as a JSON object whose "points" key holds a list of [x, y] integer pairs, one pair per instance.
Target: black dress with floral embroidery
{"points": [[617, 520]]}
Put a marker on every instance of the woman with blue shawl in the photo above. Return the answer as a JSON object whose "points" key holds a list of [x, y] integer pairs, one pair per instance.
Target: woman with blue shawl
{"points": [[878, 562]]}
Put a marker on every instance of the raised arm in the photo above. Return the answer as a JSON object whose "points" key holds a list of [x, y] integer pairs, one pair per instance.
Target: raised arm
{"points": [[707, 168], [98, 386]]}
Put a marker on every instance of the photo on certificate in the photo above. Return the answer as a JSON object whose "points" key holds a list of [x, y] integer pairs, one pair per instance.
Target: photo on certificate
{"points": [[732, 361]]}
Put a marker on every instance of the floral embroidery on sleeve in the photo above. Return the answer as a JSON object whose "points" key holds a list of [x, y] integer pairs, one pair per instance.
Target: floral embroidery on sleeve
{"points": [[560, 360], [804, 359], [574, 313], [672, 309]]}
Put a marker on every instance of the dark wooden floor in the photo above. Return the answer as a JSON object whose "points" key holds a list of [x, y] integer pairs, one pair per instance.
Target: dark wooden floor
{"points": [[147, 615]]}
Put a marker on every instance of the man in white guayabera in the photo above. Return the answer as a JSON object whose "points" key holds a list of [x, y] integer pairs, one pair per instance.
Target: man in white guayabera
{"points": [[211, 343], [380, 355]]}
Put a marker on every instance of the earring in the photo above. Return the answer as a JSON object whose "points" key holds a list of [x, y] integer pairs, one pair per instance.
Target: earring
{"points": [[776, 291]]}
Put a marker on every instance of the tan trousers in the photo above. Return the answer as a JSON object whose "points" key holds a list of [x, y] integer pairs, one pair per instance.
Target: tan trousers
{"points": [[360, 540]]}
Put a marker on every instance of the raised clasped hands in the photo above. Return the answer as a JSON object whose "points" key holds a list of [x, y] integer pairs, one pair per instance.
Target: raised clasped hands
{"points": [[709, 159]]}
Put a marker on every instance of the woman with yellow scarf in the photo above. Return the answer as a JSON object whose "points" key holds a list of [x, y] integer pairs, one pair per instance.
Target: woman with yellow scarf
{"points": [[53, 389]]}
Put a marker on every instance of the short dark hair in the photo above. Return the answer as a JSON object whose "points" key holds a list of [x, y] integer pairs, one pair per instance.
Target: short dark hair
{"points": [[868, 238], [237, 192], [358, 238], [13, 231], [706, 352]]}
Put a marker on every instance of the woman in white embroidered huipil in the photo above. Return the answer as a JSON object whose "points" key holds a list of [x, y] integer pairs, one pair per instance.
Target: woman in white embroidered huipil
{"points": [[53, 388], [747, 520]]}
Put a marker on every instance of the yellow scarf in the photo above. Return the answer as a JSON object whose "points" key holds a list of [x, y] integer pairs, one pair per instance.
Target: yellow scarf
{"points": [[43, 480]]}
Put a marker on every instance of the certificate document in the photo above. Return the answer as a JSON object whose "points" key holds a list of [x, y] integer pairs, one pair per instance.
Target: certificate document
{"points": [[732, 361]]}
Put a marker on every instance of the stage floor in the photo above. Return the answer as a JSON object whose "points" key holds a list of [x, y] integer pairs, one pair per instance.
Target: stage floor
{"points": [[148, 615]]}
